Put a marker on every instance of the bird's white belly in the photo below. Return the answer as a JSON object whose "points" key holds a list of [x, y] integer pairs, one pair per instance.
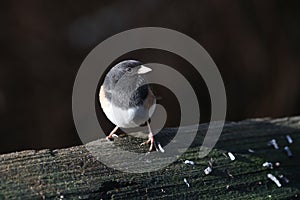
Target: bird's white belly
{"points": [[129, 118]]}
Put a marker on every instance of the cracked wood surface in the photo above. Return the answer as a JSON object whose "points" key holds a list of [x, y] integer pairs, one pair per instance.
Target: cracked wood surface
{"points": [[73, 173]]}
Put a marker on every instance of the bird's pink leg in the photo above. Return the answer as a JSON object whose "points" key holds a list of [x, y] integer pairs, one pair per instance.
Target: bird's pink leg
{"points": [[112, 134], [151, 139]]}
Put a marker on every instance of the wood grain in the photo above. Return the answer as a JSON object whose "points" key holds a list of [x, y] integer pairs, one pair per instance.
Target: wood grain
{"points": [[73, 173]]}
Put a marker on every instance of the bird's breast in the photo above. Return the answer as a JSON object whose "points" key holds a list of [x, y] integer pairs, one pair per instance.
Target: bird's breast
{"points": [[128, 117]]}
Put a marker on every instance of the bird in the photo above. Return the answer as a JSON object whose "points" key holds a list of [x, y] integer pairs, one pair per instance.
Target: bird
{"points": [[127, 99]]}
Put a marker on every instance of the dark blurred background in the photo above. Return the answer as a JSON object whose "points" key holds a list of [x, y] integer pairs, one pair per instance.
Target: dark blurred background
{"points": [[255, 45]]}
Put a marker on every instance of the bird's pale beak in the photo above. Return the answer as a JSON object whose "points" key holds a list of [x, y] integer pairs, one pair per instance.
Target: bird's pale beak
{"points": [[144, 70]]}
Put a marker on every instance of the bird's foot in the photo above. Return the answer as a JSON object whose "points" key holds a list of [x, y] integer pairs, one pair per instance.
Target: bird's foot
{"points": [[151, 142], [111, 137]]}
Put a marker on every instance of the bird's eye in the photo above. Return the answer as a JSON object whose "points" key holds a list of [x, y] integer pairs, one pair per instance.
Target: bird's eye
{"points": [[128, 69]]}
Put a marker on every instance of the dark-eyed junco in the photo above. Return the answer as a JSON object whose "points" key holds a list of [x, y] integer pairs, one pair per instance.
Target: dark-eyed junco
{"points": [[126, 98]]}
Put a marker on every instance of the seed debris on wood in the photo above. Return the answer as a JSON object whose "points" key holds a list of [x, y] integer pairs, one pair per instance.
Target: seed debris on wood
{"points": [[285, 179], [229, 174], [288, 151], [274, 179], [189, 162], [251, 151], [289, 139], [186, 182], [208, 170], [268, 165], [160, 147], [231, 156], [273, 143]]}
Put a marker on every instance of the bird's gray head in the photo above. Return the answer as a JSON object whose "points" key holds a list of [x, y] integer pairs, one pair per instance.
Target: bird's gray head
{"points": [[126, 68]]}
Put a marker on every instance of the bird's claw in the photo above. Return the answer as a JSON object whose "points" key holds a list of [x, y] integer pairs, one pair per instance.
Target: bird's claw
{"points": [[111, 137], [151, 142]]}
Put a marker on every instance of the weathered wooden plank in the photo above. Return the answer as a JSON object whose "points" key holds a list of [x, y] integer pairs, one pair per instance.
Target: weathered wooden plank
{"points": [[73, 173]]}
